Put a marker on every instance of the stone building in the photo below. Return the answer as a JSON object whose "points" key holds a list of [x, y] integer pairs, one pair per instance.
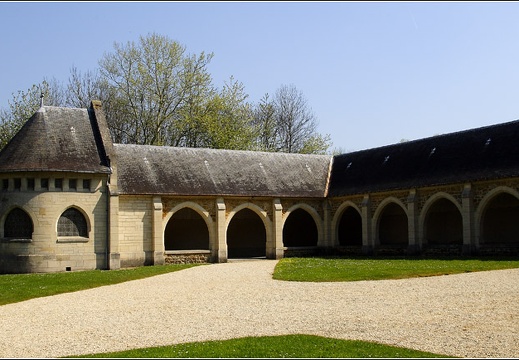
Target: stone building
{"points": [[73, 200]]}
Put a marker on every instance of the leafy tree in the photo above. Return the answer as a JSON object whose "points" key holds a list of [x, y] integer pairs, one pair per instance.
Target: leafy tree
{"points": [[148, 82], [316, 144], [229, 122]]}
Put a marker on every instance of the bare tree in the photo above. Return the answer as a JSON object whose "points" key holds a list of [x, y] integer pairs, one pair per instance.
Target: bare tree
{"points": [[265, 125], [83, 88], [296, 123], [25, 103]]}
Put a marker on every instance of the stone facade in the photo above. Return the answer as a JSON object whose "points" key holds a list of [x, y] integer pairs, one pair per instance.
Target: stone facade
{"points": [[42, 212]]}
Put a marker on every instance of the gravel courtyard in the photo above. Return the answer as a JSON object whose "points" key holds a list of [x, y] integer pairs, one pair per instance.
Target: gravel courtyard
{"points": [[472, 315]]}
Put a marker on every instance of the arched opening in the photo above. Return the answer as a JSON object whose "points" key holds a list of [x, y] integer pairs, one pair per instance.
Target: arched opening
{"points": [[72, 223], [443, 224], [18, 225], [350, 228], [299, 229], [500, 221], [246, 235], [186, 230], [392, 227]]}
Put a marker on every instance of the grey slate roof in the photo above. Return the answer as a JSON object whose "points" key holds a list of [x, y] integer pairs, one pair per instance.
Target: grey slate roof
{"points": [[71, 139], [55, 139], [489, 152], [145, 169]]}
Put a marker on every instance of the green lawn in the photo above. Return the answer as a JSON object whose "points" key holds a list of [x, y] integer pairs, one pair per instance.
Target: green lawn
{"points": [[288, 346], [355, 269]]}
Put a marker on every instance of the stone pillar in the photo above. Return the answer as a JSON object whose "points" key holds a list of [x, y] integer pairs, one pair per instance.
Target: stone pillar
{"points": [[220, 250], [114, 257], [368, 241], [414, 245], [467, 208], [157, 232], [275, 246], [329, 241]]}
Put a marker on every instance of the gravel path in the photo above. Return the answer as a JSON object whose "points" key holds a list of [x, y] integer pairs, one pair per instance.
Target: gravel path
{"points": [[472, 315]]}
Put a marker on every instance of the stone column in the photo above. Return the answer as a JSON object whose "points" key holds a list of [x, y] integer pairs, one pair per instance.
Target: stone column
{"points": [[275, 247], [414, 245], [157, 232], [220, 250], [467, 204], [114, 257], [329, 240], [368, 242]]}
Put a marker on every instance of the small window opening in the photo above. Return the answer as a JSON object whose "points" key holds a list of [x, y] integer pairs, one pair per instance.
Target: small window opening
{"points": [[30, 183]]}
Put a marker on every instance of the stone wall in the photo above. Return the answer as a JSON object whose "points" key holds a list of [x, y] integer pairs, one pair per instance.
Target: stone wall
{"points": [[187, 257], [45, 251], [135, 230]]}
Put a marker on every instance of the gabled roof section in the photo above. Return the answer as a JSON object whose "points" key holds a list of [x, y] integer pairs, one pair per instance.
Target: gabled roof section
{"points": [[489, 152], [145, 169], [56, 139]]}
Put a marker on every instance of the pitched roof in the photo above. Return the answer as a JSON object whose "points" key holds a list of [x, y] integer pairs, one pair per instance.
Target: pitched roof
{"points": [[488, 152], [145, 169], [55, 139]]}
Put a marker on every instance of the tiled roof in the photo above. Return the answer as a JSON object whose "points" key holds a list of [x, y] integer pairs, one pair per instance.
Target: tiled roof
{"points": [[144, 169], [70, 139], [55, 139], [489, 152]]}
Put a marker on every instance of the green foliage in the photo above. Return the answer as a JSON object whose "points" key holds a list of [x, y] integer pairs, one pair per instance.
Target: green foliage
{"points": [[356, 269], [21, 287], [229, 122], [148, 82], [287, 346], [316, 144]]}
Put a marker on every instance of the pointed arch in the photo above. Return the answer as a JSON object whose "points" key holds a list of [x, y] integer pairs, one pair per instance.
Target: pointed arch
{"points": [[497, 216], [441, 221], [302, 226], [188, 226], [391, 224], [248, 231], [347, 225]]}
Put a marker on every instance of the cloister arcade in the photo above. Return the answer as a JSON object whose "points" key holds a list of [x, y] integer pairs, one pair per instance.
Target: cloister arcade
{"points": [[388, 226]]}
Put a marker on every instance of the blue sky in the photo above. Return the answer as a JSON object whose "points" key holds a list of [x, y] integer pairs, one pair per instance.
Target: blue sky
{"points": [[373, 73]]}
